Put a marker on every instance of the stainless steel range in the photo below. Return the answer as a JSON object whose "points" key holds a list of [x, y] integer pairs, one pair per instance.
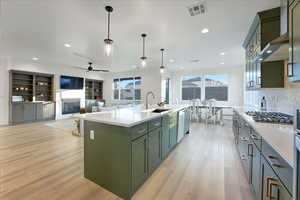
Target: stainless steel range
{"points": [[271, 117]]}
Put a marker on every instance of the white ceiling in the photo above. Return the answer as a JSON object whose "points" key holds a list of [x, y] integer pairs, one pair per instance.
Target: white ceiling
{"points": [[40, 28]]}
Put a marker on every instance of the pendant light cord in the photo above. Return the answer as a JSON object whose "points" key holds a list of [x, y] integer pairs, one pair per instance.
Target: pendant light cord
{"points": [[143, 46], [162, 57], [108, 26]]}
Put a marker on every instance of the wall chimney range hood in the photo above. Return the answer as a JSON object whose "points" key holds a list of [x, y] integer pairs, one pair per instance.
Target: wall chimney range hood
{"points": [[278, 49]]}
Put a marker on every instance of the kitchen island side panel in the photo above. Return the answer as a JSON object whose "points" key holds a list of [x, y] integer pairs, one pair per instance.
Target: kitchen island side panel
{"points": [[107, 158]]}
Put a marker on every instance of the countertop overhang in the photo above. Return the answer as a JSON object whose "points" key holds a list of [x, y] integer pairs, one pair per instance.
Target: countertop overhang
{"points": [[131, 116], [279, 136]]}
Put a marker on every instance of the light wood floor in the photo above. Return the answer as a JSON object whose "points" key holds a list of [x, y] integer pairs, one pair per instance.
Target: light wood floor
{"points": [[44, 161]]}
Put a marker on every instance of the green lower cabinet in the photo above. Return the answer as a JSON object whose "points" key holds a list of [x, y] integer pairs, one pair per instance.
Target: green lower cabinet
{"points": [[256, 175], [165, 137], [173, 137], [154, 150], [139, 161], [272, 188]]}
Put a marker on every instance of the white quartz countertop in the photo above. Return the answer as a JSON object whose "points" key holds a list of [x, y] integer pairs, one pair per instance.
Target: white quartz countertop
{"points": [[130, 116], [279, 136]]}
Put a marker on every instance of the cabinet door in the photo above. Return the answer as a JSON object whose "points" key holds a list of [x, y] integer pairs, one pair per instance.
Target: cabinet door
{"points": [[139, 161], [256, 174], [154, 153], [39, 111], [294, 65], [165, 137], [173, 137], [17, 113], [29, 112], [272, 188]]}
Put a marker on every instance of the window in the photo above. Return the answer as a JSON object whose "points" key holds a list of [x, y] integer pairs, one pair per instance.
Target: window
{"points": [[191, 87], [216, 87], [127, 88]]}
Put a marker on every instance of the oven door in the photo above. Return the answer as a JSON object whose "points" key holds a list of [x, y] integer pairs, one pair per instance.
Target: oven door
{"points": [[297, 168]]}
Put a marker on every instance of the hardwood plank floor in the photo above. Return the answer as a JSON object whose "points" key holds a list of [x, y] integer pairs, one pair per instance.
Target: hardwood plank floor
{"points": [[44, 161]]}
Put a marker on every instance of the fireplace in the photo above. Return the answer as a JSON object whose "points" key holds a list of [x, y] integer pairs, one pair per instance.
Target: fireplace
{"points": [[70, 106]]}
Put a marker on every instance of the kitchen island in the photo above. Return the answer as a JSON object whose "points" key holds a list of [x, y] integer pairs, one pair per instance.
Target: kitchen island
{"points": [[123, 147]]}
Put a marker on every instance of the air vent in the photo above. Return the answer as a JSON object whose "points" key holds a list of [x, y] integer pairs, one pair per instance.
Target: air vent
{"points": [[197, 9]]}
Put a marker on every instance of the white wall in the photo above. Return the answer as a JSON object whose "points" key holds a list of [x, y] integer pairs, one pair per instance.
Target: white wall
{"points": [[5, 66], [151, 81], [235, 90]]}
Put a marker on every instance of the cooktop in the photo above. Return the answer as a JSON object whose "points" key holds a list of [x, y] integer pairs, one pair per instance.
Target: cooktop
{"points": [[271, 117]]}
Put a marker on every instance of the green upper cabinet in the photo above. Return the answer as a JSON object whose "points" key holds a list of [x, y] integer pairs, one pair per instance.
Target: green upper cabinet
{"points": [[139, 161], [264, 29], [294, 32], [154, 150]]}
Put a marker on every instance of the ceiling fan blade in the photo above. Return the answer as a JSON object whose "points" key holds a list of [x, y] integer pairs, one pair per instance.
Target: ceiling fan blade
{"points": [[76, 67], [100, 70]]}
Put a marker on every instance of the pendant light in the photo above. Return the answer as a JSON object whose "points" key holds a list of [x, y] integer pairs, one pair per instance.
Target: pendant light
{"points": [[108, 43], [162, 68], [144, 58]]}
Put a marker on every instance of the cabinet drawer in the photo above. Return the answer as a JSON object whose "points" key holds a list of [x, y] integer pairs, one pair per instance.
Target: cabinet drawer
{"points": [[283, 170], [138, 131], [154, 124], [256, 138]]}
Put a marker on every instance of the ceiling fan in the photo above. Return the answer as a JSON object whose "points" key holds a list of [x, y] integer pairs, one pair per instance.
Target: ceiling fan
{"points": [[90, 68]]}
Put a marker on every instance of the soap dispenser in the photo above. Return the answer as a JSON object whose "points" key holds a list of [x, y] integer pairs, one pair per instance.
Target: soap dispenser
{"points": [[263, 104]]}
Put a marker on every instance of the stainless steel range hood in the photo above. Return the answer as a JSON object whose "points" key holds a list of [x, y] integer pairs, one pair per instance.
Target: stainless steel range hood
{"points": [[278, 49]]}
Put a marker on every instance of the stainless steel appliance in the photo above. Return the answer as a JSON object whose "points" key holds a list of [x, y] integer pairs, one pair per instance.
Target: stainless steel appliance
{"points": [[271, 117], [181, 116]]}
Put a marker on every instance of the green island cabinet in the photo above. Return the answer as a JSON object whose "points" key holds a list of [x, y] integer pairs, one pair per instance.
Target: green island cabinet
{"points": [[269, 175], [121, 159]]}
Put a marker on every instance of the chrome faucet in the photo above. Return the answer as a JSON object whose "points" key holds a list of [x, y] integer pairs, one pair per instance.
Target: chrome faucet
{"points": [[147, 96]]}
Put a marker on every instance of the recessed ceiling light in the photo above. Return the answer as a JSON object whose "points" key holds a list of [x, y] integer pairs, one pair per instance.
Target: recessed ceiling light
{"points": [[205, 30], [260, 59], [171, 60], [67, 45], [222, 53], [222, 63], [35, 58], [269, 51]]}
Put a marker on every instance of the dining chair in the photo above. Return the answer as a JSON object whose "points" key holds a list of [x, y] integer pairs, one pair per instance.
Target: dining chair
{"points": [[211, 112]]}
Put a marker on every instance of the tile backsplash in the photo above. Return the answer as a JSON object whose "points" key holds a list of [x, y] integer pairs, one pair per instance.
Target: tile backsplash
{"points": [[280, 100]]}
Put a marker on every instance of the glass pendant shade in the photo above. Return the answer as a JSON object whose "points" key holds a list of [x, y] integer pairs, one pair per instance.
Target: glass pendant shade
{"points": [[108, 47]]}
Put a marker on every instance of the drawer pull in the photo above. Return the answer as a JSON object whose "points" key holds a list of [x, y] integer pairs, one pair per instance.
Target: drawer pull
{"points": [[157, 124], [142, 131], [254, 137], [278, 165]]}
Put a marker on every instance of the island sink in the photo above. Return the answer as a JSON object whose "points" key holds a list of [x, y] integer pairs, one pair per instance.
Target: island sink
{"points": [[160, 110]]}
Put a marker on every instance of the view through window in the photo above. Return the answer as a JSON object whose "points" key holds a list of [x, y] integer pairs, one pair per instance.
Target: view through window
{"points": [[215, 87], [127, 88], [191, 87]]}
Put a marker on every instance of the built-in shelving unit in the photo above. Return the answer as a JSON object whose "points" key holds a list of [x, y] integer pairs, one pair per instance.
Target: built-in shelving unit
{"points": [[31, 97], [22, 86], [43, 88], [93, 89], [28, 86]]}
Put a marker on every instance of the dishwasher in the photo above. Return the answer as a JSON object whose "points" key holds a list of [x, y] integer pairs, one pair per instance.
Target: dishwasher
{"points": [[181, 119]]}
